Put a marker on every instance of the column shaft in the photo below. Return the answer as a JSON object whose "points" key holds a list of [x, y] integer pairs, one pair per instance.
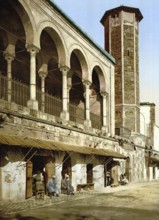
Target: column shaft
{"points": [[33, 103], [9, 58], [64, 113]]}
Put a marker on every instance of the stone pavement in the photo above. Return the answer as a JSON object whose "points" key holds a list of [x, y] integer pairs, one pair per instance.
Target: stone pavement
{"points": [[17, 206]]}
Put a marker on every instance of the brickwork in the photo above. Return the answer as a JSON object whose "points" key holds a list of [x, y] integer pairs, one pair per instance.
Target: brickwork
{"points": [[123, 29], [129, 80], [116, 52]]}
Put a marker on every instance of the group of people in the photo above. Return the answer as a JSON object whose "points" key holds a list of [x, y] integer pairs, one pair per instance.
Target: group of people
{"points": [[53, 188]]}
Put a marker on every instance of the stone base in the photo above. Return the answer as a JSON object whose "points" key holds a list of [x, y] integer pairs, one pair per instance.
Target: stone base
{"points": [[105, 129], [33, 104], [87, 124], [65, 117]]}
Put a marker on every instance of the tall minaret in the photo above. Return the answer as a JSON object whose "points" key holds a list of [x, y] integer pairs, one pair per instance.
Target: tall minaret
{"points": [[121, 41]]}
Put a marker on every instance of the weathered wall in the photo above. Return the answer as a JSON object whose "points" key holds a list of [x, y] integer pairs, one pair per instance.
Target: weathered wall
{"points": [[14, 181]]}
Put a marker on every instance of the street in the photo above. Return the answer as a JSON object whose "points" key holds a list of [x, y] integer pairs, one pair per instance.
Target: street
{"points": [[138, 201]]}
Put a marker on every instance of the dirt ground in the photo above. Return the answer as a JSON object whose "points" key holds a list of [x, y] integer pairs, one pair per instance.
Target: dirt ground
{"points": [[135, 201]]}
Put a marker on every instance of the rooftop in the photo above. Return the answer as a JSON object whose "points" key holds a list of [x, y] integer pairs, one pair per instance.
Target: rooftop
{"points": [[114, 11], [147, 103], [75, 26]]}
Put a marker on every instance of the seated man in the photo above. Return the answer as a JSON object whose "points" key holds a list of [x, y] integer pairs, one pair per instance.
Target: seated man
{"points": [[52, 187], [66, 185], [123, 179]]}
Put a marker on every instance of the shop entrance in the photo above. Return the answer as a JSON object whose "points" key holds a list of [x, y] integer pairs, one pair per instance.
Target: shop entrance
{"points": [[66, 166], [107, 171], [38, 164], [89, 173]]}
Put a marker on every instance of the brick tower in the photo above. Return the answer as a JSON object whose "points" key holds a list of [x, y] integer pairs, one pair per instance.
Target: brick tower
{"points": [[121, 41]]}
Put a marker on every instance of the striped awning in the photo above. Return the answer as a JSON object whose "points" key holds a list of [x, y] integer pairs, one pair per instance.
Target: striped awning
{"points": [[11, 140]]}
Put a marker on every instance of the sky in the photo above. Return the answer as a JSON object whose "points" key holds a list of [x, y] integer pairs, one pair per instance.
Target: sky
{"points": [[87, 15]]}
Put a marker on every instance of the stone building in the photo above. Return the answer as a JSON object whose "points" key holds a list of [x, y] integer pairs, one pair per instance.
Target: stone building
{"points": [[57, 104], [150, 131]]}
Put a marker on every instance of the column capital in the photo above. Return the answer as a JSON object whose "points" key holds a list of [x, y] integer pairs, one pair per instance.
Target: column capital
{"points": [[64, 68], [86, 82], [42, 74], [32, 49], [8, 56], [103, 93]]}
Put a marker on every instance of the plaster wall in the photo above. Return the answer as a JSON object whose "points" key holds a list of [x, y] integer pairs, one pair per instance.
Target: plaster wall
{"points": [[14, 181], [150, 173], [157, 173], [98, 176], [144, 120], [78, 174]]}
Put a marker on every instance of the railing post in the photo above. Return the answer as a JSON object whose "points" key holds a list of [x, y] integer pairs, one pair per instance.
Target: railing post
{"points": [[9, 58], [64, 114], [32, 103], [87, 121]]}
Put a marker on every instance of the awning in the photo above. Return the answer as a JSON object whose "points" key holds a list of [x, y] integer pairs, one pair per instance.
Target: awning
{"points": [[21, 141], [152, 159]]}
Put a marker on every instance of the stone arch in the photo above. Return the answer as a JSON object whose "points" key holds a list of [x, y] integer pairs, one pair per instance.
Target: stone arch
{"points": [[57, 37], [19, 32], [100, 72], [27, 19], [79, 52]]}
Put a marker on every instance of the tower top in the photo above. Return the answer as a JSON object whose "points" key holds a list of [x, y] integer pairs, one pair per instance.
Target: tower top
{"points": [[115, 11]]}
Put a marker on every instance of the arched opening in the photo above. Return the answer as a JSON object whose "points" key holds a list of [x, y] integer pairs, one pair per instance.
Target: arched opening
{"points": [[53, 77], [13, 48], [76, 107], [96, 107]]}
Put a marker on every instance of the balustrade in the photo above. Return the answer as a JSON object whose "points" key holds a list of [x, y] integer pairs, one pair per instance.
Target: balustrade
{"points": [[53, 105]]}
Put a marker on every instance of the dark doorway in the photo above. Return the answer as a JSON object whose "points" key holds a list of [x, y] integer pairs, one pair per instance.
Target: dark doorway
{"points": [[66, 166], [89, 173]]}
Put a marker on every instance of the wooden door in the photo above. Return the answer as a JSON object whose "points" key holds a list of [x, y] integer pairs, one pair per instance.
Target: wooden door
{"points": [[49, 168], [29, 188]]}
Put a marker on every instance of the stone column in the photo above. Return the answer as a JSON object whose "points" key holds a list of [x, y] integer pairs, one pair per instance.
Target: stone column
{"points": [[104, 116], [64, 113], [9, 58], [32, 103], [43, 75], [87, 121]]}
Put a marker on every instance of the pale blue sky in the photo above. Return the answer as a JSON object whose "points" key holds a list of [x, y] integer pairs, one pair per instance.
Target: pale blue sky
{"points": [[87, 15]]}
